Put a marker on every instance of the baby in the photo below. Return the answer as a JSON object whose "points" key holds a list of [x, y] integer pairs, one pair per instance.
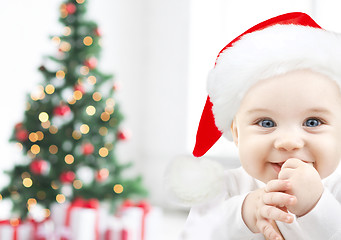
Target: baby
{"points": [[275, 91]]}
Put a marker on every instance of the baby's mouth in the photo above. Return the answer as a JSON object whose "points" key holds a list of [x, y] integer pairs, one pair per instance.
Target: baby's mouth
{"points": [[280, 164], [277, 166]]}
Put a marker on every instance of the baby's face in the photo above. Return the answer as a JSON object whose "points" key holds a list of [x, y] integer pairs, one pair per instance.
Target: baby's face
{"points": [[296, 115]]}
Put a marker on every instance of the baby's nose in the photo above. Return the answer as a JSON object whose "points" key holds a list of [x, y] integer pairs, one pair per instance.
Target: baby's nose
{"points": [[289, 143]]}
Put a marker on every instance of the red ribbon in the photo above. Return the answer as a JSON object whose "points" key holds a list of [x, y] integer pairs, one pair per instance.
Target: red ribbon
{"points": [[145, 206], [36, 224], [109, 233], [15, 227], [82, 203]]}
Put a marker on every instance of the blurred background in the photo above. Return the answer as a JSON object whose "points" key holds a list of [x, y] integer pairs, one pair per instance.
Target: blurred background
{"points": [[160, 52]]}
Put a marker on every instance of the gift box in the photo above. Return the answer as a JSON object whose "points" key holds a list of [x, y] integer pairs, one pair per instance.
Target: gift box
{"points": [[78, 220], [116, 230], [42, 230], [135, 222], [16, 230]]}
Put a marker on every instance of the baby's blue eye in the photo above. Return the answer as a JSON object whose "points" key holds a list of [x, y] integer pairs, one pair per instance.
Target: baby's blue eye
{"points": [[312, 122], [267, 123]]}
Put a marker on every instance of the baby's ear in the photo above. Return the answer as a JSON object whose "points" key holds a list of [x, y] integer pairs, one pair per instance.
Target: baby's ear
{"points": [[234, 131]]}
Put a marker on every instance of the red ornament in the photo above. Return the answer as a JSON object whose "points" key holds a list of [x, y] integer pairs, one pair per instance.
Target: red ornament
{"points": [[98, 32], [87, 148], [123, 135], [61, 110], [116, 86], [91, 62], [18, 126], [70, 8], [67, 177], [21, 135], [39, 166], [79, 87], [102, 175]]}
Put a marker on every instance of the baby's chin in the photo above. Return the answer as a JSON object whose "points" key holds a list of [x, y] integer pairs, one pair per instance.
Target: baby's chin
{"points": [[265, 178]]}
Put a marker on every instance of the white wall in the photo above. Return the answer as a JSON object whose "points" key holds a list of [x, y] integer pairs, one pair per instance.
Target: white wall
{"points": [[146, 45], [25, 27]]}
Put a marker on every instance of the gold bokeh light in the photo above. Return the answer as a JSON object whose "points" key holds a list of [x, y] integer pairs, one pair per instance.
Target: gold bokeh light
{"points": [[105, 116], [49, 89], [96, 96], [84, 128], [33, 137], [27, 182], [43, 117], [91, 110], [76, 135], [53, 129], [56, 40], [67, 31], [60, 198], [103, 152], [84, 70], [40, 135], [103, 131], [110, 102], [65, 46], [60, 74], [118, 188], [69, 159], [35, 149], [77, 95], [54, 185], [46, 124], [77, 184], [92, 80], [87, 41], [53, 149]]}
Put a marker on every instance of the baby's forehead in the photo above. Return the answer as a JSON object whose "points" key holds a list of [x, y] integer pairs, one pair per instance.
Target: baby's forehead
{"points": [[297, 89]]}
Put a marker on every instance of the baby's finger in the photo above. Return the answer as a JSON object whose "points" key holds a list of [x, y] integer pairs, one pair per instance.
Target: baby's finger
{"points": [[292, 163], [285, 173], [279, 199], [268, 230], [278, 185], [271, 212]]}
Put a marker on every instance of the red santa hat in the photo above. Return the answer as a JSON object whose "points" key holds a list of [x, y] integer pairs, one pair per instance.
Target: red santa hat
{"points": [[281, 44], [276, 46]]}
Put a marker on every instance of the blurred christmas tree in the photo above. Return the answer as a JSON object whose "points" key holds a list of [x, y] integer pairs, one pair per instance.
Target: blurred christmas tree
{"points": [[71, 126]]}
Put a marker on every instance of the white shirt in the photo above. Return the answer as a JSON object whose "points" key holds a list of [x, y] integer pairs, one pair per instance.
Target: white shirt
{"points": [[221, 219]]}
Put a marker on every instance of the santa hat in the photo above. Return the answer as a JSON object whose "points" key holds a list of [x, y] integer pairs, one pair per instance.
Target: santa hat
{"points": [[276, 46], [279, 45]]}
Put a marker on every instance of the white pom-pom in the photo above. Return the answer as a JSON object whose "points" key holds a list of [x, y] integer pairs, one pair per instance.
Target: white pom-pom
{"points": [[193, 181]]}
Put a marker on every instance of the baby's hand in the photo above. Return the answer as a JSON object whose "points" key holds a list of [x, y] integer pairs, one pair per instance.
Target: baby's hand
{"points": [[263, 206], [306, 185]]}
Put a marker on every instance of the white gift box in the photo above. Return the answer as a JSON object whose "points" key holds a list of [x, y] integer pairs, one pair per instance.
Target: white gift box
{"points": [[45, 230], [115, 229], [76, 222], [24, 231], [133, 223], [154, 224]]}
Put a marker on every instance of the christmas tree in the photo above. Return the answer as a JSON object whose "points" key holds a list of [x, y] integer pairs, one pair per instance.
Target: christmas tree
{"points": [[71, 126]]}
